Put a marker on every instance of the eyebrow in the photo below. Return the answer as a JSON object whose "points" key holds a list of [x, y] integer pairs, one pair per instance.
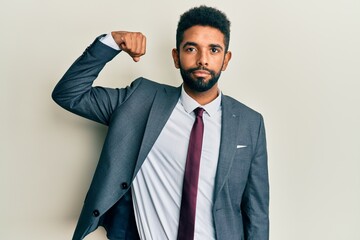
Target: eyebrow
{"points": [[213, 45]]}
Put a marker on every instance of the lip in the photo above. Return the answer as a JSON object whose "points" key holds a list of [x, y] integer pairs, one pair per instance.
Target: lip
{"points": [[200, 73]]}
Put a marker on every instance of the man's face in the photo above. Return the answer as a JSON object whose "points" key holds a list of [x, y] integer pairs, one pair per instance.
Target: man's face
{"points": [[201, 57]]}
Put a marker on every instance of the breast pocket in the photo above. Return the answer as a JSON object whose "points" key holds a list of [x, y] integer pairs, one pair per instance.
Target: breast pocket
{"points": [[242, 158]]}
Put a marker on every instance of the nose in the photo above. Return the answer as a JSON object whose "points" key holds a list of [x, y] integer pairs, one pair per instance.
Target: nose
{"points": [[202, 59]]}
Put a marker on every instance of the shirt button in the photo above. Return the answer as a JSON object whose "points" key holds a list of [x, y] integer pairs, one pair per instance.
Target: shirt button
{"points": [[124, 185], [96, 213]]}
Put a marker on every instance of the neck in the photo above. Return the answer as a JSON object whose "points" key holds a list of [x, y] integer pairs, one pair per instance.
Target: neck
{"points": [[203, 98]]}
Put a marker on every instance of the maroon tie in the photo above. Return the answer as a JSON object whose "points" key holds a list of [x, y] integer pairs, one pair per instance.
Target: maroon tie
{"points": [[191, 177]]}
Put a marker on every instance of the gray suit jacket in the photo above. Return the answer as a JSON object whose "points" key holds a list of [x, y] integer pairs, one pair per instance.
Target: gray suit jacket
{"points": [[135, 116]]}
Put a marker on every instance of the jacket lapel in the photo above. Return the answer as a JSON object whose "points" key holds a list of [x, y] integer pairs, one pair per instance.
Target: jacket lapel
{"points": [[162, 107], [229, 129]]}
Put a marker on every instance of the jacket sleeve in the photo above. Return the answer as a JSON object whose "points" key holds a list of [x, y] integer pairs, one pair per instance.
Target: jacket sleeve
{"points": [[75, 93], [255, 202]]}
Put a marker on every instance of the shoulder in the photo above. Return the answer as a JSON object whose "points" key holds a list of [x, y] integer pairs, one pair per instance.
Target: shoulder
{"points": [[240, 109], [144, 88], [150, 84]]}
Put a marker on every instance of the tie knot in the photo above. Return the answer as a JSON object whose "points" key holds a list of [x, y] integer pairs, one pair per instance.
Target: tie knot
{"points": [[199, 112]]}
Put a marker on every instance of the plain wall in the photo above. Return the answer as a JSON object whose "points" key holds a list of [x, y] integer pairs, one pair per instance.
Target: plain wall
{"points": [[296, 62]]}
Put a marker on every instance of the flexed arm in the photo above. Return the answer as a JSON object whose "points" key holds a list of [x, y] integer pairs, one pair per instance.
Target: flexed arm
{"points": [[74, 91]]}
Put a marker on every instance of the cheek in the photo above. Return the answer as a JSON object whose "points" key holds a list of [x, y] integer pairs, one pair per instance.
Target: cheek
{"points": [[221, 64], [186, 61]]}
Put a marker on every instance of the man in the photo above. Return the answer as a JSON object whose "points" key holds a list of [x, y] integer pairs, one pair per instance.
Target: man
{"points": [[177, 163]]}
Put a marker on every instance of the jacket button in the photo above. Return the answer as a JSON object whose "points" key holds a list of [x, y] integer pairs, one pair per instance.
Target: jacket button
{"points": [[96, 213], [124, 185]]}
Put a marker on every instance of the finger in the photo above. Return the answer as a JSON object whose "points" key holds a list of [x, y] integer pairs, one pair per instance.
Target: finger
{"points": [[138, 38], [122, 43], [143, 45], [123, 46], [127, 42], [134, 44]]}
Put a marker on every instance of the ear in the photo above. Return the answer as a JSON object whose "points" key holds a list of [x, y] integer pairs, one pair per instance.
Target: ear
{"points": [[175, 55], [226, 60]]}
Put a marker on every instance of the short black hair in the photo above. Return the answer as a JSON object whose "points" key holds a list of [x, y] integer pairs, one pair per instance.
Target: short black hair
{"points": [[203, 16]]}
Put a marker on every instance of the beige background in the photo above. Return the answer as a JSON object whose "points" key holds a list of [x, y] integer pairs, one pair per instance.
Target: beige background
{"points": [[297, 62]]}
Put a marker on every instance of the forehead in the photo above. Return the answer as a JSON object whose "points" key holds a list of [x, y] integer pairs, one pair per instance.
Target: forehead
{"points": [[203, 35]]}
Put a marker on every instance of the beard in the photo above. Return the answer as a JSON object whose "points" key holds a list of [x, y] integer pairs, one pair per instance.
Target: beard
{"points": [[199, 84]]}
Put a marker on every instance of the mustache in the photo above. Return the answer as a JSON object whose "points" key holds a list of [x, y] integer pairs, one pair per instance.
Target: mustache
{"points": [[202, 69]]}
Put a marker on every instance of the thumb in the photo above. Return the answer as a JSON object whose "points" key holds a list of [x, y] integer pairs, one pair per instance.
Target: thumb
{"points": [[136, 59], [122, 44]]}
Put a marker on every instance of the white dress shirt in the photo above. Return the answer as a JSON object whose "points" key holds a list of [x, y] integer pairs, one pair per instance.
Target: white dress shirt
{"points": [[157, 187]]}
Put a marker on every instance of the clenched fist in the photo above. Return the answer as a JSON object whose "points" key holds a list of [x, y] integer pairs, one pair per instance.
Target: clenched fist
{"points": [[133, 43]]}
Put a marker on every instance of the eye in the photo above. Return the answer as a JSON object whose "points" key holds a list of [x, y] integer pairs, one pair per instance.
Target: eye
{"points": [[214, 50], [190, 49]]}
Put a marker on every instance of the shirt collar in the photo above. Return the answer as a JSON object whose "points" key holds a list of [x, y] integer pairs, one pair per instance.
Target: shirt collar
{"points": [[190, 104]]}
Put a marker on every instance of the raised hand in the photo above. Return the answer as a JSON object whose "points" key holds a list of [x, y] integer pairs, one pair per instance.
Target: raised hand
{"points": [[133, 43]]}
